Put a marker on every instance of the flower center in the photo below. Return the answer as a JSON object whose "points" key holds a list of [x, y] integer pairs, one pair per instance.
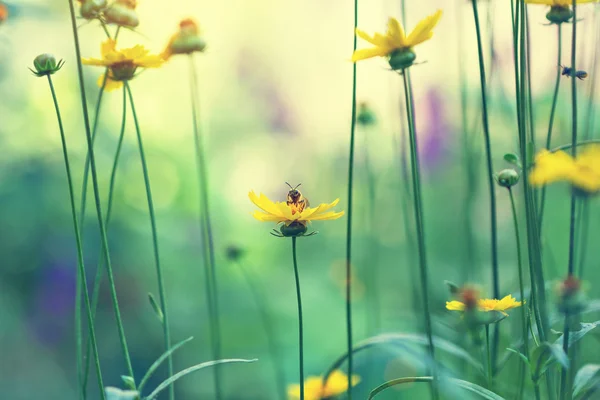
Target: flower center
{"points": [[123, 70]]}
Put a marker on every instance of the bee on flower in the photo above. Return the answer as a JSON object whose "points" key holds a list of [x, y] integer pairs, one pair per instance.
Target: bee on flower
{"points": [[560, 10], [316, 389], [395, 45]]}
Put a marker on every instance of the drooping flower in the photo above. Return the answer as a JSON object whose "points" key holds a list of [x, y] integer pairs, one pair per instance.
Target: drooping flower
{"points": [[560, 10], [92, 9], [486, 305], [186, 41], [582, 172], [293, 217], [315, 389], [122, 13], [122, 64], [395, 44]]}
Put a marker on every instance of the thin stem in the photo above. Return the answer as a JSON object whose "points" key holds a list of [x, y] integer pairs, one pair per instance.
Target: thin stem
{"points": [[90, 147], [257, 292], [111, 189], [490, 171], [490, 373], [552, 113], [205, 226], [80, 262], [536, 388], [159, 274], [300, 326], [349, 218], [418, 205]]}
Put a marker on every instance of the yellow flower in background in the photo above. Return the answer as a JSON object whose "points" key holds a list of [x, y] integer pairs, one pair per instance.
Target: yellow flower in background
{"points": [[582, 172], [558, 3], [486, 305], [314, 389], [395, 44], [560, 10], [122, 64]]}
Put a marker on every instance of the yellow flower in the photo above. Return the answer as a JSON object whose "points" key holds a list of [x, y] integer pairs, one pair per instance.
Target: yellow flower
{"points": [[558, 3], [487, 305], [314, 389], [122, 64], [395, 44], [582, 172], [560, 10]]}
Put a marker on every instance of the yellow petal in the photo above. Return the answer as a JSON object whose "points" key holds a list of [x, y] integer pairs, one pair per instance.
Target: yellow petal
{"points": [[327, 216], [455, 305], [551, 167], [95, 61], [107, 47], [423, 30], [337, 383], [152, 61], [135, 52], [395, 34], [377, 39], [265, 204], [110, 85], [364, 54]]}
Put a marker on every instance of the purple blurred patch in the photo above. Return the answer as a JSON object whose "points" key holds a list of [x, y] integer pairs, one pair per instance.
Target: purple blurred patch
{"points": [[255, 75], [434, 132]]}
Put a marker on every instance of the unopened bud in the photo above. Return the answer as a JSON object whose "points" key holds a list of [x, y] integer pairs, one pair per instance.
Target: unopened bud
{"points": [[402, 59], [45, 64], [507, 178], [293, 230], [559, 14], [122, 13]]}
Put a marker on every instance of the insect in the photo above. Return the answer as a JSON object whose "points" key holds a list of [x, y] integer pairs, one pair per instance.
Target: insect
{"points": [[568, 71], [294, 197]]}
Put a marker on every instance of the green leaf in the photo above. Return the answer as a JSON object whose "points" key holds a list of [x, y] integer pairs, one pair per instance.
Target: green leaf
{"points": [[545, 355], [189, 370], [574, 336], [513, 159], [484, 393], [521, 356], [452, 287], [159, 361], [588, 376], [156, 308], [128, 381]]}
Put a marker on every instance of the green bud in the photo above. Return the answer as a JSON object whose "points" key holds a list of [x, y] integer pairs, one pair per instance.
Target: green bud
{"points": [[294, 229], [91, 9], [128, 381], [366, 116], [507, 178], [559, 14], [234, 253], [402, 59], [45, 64]]}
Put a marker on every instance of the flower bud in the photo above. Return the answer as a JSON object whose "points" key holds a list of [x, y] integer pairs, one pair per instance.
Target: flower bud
{"points": [[507, 178], [188, 40], [559, 14], [45, 64], [91, 9], [365, 116], [293, 230], [233, 253], [122, 13], [571, 299], [402, 59]]}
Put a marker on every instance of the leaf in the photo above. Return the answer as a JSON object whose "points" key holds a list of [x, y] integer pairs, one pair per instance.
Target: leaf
{"points": [[574, 336], [189, 370], [587, 376], [484, 393], [513, 159], [521, 356], [159, 361], [156, 308], [452, 287], [545, 355], [128, 381]]}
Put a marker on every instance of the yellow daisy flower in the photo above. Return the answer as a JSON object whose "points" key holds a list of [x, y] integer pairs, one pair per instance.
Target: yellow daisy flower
{"points": [[560, 10], [395, 44], [293, 217], [314, 389], [487, 305], [122, 64], [582, 173]]}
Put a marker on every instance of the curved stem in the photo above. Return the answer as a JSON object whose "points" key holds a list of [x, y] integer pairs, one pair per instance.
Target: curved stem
{"points": [[80, 262], [90, 148], [490, 172], [300, 326], [159, 274], [111, 189], [418, 205], [207, 237], [552, 113]]}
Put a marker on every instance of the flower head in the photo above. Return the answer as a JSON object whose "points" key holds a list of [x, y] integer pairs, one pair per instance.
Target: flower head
{"points": [[395, 44], [315, 389], [186, 41], [122, 13], [560, 10], [92, 9], [122, 64], [46, 64], [582, 172], [487, 305], [293, 215]]}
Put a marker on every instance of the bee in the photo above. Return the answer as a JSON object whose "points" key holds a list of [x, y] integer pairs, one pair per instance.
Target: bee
{"points": [[568, 71], [294, 197]]}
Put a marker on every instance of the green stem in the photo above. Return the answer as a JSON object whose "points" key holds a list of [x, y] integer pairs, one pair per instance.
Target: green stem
{"points": [[349, 218], [536, 388], [300, 326], [263, 309], [552, 113], [159, 273], [80, 262], [205, 226], [490, 172], [490, 373], [100, 266], [418, 205], [90, 147]]}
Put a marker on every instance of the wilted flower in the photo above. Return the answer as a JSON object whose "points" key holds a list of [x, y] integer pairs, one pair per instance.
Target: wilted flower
{"points": [[46, 64], [395, 44], [315, 389], [122, 64], [122, 13], [92, 9], [186, 41]]}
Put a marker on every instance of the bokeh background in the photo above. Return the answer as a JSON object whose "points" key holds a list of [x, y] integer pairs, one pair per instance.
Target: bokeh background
{"points": [[275, 87]]}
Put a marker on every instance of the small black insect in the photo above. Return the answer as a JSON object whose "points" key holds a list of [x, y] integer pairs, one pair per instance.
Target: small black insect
{"points": [[568, 71]]}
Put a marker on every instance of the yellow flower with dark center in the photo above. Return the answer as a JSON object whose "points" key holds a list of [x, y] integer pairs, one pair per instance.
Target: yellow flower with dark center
{"points": [[395, 44], [582, 172], [486, 305], [314, 389], [122, 64]]}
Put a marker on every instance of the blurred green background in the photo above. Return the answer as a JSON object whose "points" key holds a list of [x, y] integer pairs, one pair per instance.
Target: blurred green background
{"points": [[275, 87]]}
